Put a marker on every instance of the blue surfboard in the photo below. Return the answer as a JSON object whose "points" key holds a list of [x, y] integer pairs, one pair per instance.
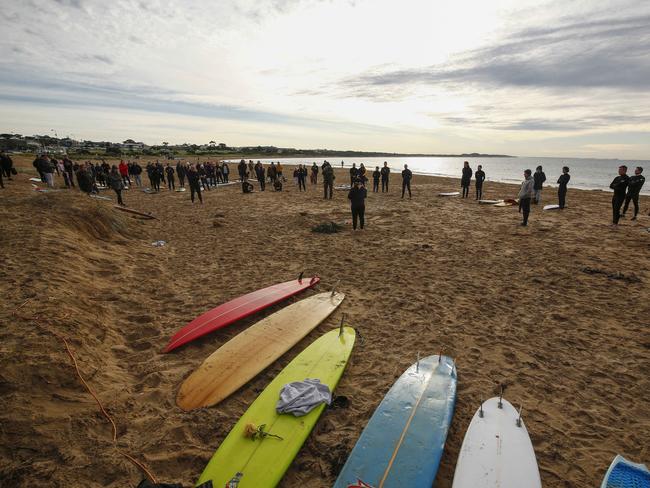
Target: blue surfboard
{"points": [[625, 474], [403, 442]]}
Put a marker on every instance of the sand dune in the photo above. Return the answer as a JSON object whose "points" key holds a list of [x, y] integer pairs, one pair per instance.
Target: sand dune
{"points": [[558, 312]]}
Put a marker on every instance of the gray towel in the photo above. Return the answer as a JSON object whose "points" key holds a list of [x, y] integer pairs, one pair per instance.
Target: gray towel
{"points": [[301, 397]]}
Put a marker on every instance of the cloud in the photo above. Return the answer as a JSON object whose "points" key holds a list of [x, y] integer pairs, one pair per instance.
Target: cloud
{"points": [[612, 53]]}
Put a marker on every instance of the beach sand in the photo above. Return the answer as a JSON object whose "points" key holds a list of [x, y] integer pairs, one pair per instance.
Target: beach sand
{"points": [[558, 312]]}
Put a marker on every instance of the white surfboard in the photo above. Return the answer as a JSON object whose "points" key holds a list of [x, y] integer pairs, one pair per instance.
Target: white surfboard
{"points": [[489, 202], [497, 451], [551, 207], [449, 194]]}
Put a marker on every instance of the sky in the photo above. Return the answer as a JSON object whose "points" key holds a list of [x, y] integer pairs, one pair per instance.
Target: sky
{"points": [[531, 78]]}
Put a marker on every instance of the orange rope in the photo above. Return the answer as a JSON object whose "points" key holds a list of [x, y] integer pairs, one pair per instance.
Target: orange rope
{"points": [[89, 389]]}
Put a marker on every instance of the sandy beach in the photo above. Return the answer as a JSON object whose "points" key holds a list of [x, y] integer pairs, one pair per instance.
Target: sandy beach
{"points": [[558, 312]]}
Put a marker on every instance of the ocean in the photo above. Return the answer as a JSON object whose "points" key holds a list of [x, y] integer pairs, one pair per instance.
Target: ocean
{"points": [[586, 174]]}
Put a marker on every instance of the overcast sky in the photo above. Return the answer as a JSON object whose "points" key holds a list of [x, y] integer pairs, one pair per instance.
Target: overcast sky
{"points": [[537, 78]]}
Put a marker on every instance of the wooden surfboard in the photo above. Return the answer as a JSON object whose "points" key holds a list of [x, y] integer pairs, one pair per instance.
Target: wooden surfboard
{"points": [[135, 212], [497, 450], [239, 308], [403, 442], [247, 354], [261, 463]]}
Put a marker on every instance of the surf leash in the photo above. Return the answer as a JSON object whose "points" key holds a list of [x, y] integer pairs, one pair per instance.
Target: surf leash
{"points": [[134, 461]]}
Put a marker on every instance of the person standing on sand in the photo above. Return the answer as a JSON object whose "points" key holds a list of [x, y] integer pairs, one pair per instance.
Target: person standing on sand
{"points": [[7, 164], [563, 181], [170, 177], [314, 174], [278, 169], [385, 173], [619, 185], [241, 169], [353, 173], [225, 170], [357, 197], [116, 183], [302, 178], [84, 180], [155, 178], [375, 179], [407, 175], [124, 173], [526, 193], [272, 172], [328, 180], [465, 179], [251, 168], [480, 178], [259, 174], [539, 179], [194, 180], [68, 167], [633, 190], [137, 174]]}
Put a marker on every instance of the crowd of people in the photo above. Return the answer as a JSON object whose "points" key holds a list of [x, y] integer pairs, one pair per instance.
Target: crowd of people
{"points": [[90, 177]]}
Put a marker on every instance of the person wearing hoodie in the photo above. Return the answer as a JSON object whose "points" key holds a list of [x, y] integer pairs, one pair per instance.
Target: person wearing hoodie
{"points": [[538, 182], [526, 193], [357, 197], [241, 169], [633, 189], [225, 171], [619, 185], [116, 183], [563, 181], [124, 172], [466, 178]]}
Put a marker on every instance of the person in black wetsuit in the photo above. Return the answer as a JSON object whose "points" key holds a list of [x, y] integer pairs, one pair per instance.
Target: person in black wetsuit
{"points": [[194, 180], [480, 178], [563, 181], [375, 179], [354, 172], [7, 164], [180, 171], [302, 178], [357, 197], [406, 180], [385, 174], [633, 189], [170, 177], [314, 174], [154, 177], [466, 178], [328, 179], [619, 185]]}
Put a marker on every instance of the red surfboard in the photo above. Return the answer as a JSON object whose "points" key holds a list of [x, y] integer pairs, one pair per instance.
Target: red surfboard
{"points": [[243, 306]]}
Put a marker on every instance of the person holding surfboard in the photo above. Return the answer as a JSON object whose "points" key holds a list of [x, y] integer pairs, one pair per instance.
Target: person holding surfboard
{"points": [[563, 181], [619, 185], [480, 178], [466, 179], [633, 190], [526, 193], [357, 197], [407, 175]]}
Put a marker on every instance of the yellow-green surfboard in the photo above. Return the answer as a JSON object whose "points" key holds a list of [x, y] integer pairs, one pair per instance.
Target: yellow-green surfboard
{"points": [[263, 462]]}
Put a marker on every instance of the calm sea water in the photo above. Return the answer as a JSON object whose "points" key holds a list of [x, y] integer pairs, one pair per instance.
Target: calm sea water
{"points": [[587, 174]]}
